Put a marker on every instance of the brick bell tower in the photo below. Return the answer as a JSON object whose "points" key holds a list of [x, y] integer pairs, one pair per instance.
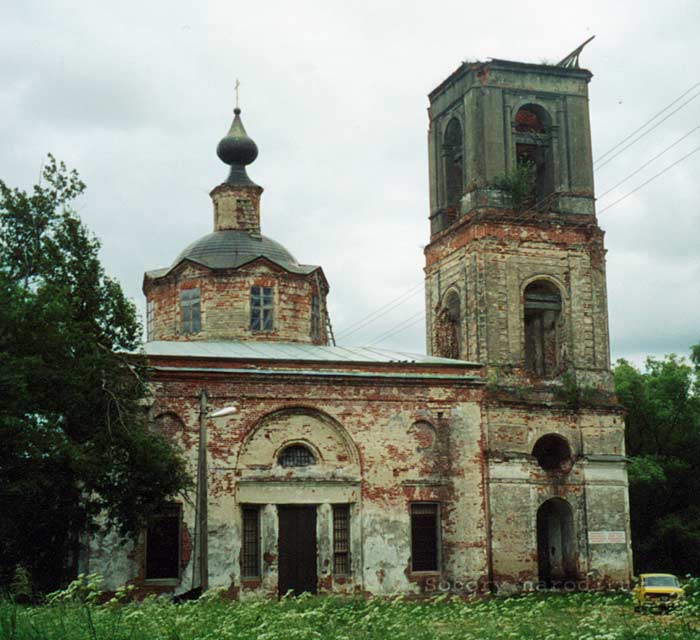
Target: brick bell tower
{"points": [[515, 268], [515, 279]]}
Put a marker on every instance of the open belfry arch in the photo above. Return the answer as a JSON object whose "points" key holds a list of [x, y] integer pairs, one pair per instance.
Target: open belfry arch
{"points": [[498, 457]]}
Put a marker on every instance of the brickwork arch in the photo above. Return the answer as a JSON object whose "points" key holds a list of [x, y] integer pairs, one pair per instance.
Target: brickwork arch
{"points": [[321, 433]]}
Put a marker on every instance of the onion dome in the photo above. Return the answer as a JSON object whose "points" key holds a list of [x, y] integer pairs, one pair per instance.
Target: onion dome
{"points": [[237, 149]]}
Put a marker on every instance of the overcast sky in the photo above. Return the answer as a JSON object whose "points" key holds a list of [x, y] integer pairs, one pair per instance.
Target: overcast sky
{"points": [[136, 95]]}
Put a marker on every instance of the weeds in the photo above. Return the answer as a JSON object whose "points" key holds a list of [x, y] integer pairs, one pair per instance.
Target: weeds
{"points": [[541, 616]]}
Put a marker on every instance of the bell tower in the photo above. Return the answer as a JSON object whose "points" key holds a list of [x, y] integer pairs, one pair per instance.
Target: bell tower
{"points": [[515, 267]]}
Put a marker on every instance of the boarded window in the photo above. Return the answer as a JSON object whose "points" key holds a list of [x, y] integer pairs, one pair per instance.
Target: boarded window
{"points": [[543, 328], [250, 548], [190, 311], [315, 318], [424, 536], [296, 455], [150, 315], [163, 545], [261, 306], [341, 539]]}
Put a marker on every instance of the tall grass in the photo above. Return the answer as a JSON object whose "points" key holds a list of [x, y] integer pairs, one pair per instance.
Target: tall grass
{"points": [[581, 616]]}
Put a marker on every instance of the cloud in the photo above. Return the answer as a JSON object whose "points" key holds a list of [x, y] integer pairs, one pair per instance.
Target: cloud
{"points": [[136, 96]]}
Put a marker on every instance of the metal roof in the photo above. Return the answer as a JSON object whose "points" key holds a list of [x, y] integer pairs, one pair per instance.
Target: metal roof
{"points": [[251, 350], [230, 249]]}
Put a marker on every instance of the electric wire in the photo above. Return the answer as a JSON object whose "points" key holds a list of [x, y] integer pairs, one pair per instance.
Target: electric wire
{"points": [[654, 177], [398, 328], [648, 162], [650, 120], [380, 312], [647, 132], [402, 326]]}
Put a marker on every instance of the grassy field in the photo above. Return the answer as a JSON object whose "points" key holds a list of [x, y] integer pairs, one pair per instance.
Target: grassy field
{"points": [[580, 616]]}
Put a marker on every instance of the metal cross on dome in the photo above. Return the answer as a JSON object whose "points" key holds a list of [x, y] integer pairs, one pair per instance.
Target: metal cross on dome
{"points": [[238, 84]]}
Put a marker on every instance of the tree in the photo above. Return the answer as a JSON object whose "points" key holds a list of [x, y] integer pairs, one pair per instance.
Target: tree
{"points": [[75, 439], [663, 442]]}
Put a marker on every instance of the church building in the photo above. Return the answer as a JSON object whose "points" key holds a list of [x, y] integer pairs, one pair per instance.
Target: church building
{"points": [[498, 458]]}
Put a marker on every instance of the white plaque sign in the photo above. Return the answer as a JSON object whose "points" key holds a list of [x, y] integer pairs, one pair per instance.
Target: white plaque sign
{"points": [[607, 537]]}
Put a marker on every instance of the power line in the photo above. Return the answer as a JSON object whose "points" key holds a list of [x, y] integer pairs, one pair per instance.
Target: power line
{"points": [[381, 311], [384, 309], [638, 138], [656, 115], [646, 182], [398, 328], [419, 316], [646, 164]]}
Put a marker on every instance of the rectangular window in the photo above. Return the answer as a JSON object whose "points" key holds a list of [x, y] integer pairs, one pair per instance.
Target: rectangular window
{"points": [[250, 548], [261, 308], [424, 536], [190, 311], [341, 539], [150, 312], [315, 318], [163, 545]]}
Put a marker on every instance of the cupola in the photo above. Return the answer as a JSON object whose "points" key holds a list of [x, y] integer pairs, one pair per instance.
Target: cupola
{"points": [[234, 283]]}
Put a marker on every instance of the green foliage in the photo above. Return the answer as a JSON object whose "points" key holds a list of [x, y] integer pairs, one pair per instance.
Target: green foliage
{"points": [[21, 585], [519, 183], [663, 441], [75, 443], [575, 616]]}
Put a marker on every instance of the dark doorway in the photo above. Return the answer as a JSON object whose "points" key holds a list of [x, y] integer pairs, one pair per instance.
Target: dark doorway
{"points": [[556, 547], [297, 549]]}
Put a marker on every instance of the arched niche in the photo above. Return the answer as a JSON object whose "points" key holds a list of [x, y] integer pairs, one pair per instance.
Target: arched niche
{"points": [[453, 153], [326, 439], [448, 327], [169, 424], [424, 435]]}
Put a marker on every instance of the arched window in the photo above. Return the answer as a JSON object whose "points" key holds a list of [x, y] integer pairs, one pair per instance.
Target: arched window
{"points": [[553, 453], [447, 330], [533, 149], [543, 328], [296, 455], [454, 171]]}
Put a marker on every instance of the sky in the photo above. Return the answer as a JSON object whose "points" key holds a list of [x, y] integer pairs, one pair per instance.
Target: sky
{"points": [[136, 96]]}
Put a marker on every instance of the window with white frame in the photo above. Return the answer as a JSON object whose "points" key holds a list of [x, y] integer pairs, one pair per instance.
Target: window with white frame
{"points": [[261, 308]]}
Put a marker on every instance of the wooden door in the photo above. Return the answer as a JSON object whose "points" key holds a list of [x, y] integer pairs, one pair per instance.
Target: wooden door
{"points": [[297, 549]]}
